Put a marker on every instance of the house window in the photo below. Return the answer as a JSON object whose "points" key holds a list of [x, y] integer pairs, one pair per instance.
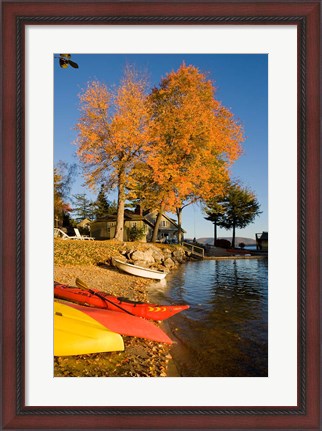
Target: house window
{"points": [[163, 223]]}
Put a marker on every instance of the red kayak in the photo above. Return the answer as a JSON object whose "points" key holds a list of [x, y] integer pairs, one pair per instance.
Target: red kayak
{"points": [[98, 299], [124, 324]]}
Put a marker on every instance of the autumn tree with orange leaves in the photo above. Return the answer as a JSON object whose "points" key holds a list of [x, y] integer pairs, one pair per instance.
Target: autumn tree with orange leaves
{"points": [[193, 141], [166, 150], [112, 134]]}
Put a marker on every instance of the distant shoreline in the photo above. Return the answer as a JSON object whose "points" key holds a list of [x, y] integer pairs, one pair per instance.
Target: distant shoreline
{"points": [[238, 240]]}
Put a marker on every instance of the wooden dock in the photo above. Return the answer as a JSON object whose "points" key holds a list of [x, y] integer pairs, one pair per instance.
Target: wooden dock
{"points": [[196, 252]]}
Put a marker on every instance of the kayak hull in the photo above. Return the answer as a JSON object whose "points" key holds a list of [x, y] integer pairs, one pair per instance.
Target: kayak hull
{"points": [[76, 333], [124, 324], [113, 303]]}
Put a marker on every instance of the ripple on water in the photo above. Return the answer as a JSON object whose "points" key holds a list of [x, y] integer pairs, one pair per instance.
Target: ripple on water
{"points": [[224, 333]]}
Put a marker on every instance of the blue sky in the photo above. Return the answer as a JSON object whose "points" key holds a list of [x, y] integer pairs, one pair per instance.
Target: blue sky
{"points": [[241, 81]]}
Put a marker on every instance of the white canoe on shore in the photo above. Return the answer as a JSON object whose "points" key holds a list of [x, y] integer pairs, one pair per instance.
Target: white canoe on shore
{"points": [[139, 271]]}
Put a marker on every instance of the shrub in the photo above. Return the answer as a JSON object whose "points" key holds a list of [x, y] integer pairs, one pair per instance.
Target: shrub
{"points": [[223, 243], [136, 233]]}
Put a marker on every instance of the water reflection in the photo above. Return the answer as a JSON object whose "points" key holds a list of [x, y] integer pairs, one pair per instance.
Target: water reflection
{"points": [[224, 333]]}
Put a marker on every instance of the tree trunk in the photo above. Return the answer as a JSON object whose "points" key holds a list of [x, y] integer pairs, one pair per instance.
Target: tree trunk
{"points": [[119, 230], [215, 233], [234, 235], [179, 215], [157, 224]]}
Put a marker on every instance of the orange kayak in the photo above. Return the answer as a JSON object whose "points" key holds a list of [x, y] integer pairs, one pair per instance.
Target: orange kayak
{"points": [[98, 299]]}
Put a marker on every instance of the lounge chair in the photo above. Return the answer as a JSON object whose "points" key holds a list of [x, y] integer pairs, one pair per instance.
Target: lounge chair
{"points": [[58, 233], [83, 237]]}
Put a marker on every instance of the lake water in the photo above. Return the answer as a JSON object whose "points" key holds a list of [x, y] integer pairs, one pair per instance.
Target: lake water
{"points": [[250, 247], [225, 332]]}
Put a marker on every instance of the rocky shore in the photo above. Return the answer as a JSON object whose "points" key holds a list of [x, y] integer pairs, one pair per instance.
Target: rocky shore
{"points": [[92, 263]]}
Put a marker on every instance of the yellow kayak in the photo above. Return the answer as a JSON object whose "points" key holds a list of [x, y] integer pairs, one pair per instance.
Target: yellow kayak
{"points": [[76, 333]]}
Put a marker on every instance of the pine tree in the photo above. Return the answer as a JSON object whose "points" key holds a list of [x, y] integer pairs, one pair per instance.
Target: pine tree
{"points": [[102, 206], [63, 178], [83, 207], [240, 209], [215, 211]]}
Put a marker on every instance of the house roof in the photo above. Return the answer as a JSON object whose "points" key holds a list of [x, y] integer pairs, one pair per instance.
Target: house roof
{"points": [[172, 221], [84, 222]]}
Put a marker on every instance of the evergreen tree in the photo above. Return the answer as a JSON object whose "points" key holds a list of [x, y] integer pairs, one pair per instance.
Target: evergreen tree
{"points": [[102, 206], [63, 177], [240, 209], [215, 211], [83, 207]]}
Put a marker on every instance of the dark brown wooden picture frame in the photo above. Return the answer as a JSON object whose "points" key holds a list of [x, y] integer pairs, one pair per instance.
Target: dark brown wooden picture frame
{"points": [[306, 16]]}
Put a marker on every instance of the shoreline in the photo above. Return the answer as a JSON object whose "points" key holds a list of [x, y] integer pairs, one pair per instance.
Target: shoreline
{"points": [[234, 257], [141, 357]]}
